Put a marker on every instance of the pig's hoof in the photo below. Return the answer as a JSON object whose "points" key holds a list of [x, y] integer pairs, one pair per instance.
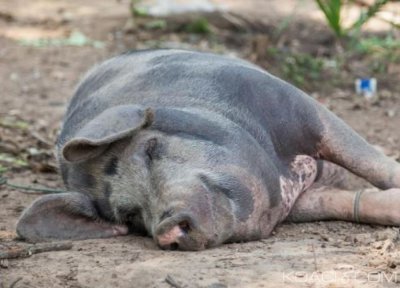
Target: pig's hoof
{"points": [[120, 230]]}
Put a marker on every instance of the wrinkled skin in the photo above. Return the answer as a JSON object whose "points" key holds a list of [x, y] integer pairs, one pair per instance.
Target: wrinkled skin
{"points": [[196, 150]]}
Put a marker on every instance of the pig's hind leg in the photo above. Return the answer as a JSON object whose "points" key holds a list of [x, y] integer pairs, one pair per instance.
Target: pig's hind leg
{"points": [[328, 200], [342, 145]]}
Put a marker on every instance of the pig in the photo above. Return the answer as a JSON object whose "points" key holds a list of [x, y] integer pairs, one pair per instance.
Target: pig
{"points": [[195, 150]]}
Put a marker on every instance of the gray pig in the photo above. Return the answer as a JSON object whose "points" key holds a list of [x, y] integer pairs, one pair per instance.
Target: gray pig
{"points": [[196, 149]]}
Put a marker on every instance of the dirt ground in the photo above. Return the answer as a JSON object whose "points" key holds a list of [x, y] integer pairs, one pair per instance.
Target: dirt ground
{"points": [[38, 78]]}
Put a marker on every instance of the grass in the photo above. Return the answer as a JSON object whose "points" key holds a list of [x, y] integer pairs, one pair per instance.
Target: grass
{"points": [[332, 10], [372, 45], [198, 26], [300, 68]]}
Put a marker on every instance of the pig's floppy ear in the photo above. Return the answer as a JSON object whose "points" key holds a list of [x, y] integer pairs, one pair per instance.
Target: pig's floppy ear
{"points": [[64, 216], [109, 126]]}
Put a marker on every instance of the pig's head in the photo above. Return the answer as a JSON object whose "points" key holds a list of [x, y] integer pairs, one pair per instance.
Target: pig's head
{"points": [[167, 173]]}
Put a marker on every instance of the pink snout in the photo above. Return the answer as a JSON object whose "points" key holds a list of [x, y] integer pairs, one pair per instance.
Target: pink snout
{"points": [[177, 233], [170, 237]]}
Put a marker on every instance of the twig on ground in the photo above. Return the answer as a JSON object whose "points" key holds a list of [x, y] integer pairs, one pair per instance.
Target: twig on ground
{"points": [[171, 281], [26, 189], [41, 139], [15, 282], [27, 251], [4, 264]]}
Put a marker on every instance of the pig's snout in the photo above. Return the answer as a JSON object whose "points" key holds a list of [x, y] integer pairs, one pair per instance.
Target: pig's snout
{"points": [[179, 233], [172, 238]]}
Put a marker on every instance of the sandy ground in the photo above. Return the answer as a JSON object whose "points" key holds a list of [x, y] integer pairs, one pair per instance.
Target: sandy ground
{"points": [[35, 85]]}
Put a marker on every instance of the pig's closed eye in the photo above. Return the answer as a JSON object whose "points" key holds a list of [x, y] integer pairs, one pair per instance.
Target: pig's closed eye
{"points": [[151, 149]]}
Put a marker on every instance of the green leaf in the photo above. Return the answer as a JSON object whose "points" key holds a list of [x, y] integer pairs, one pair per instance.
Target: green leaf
{"points": [[368, 14], [140, 11], [332, 11]]}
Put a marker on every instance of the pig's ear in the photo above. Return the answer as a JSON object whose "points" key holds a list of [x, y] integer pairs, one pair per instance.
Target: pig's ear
{"points": [[64, 216], [109, 126]]}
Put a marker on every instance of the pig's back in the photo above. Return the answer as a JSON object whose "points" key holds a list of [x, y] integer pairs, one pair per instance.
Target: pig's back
{"points": [[236, 89]]}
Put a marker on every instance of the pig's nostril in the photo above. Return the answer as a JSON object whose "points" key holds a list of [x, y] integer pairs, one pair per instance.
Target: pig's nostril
{"points": [[185, 226], [172, 238]]}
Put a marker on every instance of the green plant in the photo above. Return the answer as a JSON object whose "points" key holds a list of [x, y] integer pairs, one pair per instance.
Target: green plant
{"points": [[157, 24], [138, 10], [368, 14], [381, 53], [3, 169], [332, 9], [298, 68], [376, 45], [199, 26]]}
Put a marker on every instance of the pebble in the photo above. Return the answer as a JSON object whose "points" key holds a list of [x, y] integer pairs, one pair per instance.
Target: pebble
{"points": [[4, 263]]}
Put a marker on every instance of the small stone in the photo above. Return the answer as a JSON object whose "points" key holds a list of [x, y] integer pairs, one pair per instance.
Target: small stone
{"points": [[385, 94], [378, 245], [300, 274], [344, 266], [363, 238], [388, 245], [4, 263], [375, 262], [14, 76], [391, 113], [58, 75], [325, 238], [387, 234]]}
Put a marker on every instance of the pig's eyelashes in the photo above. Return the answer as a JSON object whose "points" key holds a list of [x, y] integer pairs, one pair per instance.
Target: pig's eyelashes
{"points": [[151, 149]]}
